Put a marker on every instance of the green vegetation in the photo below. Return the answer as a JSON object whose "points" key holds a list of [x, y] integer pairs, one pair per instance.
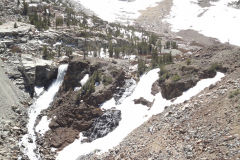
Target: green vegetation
{"points": [[110, 49], [175, 78], [234, 93], [39, 22], [25, 8], [89, 87], [15, 25], [59, 21], [171, 45], [188, 62], [165, 59], [215, 67], [163, 74], [141, 67], [47, 55], [68, 51], [107, 80], [1, 23]]}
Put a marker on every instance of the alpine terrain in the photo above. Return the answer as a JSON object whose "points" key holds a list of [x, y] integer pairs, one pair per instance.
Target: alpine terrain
{"points": [[119, 79]]}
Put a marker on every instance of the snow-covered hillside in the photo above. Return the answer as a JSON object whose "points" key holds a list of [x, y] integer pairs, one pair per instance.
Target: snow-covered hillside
{"points": [[118, 10], [219, 20]]}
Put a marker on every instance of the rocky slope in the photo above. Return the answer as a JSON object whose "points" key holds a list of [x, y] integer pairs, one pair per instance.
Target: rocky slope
{"points": [[205, 127]]}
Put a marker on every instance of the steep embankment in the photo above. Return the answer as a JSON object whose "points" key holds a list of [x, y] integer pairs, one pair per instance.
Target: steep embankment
{"points": [[12, 116], [9, 95]]}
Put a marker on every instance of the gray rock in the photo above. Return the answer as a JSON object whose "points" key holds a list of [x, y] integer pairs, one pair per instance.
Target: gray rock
{"points": [[104, 125]]}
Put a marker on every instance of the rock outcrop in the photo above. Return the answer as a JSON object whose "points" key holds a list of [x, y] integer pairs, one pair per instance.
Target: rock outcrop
{"points": [[178, 80], [103, 125], [76, 111]]}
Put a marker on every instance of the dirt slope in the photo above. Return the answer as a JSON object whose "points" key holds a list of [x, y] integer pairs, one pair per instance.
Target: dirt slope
{"points": [[8, 94]]}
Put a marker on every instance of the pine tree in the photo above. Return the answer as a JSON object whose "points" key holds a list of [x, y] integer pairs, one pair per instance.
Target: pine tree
{"points": [[15, 25], [25, 8], [45, 53], [110, 49]]}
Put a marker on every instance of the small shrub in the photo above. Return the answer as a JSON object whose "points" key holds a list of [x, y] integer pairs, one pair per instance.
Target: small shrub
{"points": [[188, 62], [59, 21], [89, 87], [107, 80], [215, 67], [15, 25], [163, 74], [47, 55], [176, 78], [234, 93], [141, 67]]}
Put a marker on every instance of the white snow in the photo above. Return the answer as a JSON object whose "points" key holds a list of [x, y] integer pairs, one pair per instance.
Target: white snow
{"points": [[133, 115], [38, 90], [40, 104], [85, 79], [42, 126], [118, 10], [218, 20]]}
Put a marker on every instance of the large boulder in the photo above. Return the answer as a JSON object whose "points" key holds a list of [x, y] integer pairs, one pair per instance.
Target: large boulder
{"points": [[103, 125]]}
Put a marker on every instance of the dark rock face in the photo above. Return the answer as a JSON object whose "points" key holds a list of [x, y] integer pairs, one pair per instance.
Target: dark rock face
{"points": [[70, 116], [143, 102], [44, 75], [62, 137], [76, 71], [103, 125], [189, 78], [172, 90]]}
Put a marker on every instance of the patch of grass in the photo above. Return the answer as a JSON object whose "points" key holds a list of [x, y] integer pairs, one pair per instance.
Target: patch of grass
{"points": [[215, 67], [188, 62], [107, 80], [234, 93], [163, 75], [175, 78]]}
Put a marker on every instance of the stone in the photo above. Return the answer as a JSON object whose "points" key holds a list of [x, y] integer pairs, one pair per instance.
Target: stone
{"points": [[103, 125]]}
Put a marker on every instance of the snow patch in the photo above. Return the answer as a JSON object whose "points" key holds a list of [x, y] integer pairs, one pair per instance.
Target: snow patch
{"points": [[42, 126], [38, 90], [85, 79], [219, 20], [118, 10]]}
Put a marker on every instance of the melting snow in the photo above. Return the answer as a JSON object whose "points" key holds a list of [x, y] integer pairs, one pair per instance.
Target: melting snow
{"points": [[38, 90], [42, 126], [118, 10], [218, 21], [85, 79], [133, 115]]}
